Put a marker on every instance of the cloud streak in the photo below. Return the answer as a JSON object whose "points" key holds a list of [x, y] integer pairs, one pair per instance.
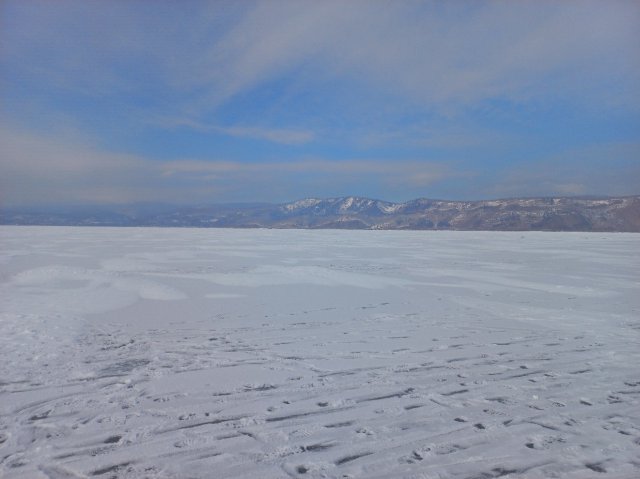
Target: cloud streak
{"points": [[46, 170], [41, 170], [284, 136], [276, 100], [459, 53], [580, 171]]}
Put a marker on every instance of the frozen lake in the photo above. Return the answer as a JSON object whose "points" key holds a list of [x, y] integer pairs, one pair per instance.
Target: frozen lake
{"points": [[202, 353]]}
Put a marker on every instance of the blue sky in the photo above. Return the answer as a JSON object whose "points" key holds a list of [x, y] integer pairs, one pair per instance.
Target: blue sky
{"points": [[207, 102]]}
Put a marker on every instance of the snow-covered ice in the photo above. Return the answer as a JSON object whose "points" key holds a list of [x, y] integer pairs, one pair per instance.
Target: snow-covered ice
{"points": [[129, 352]]}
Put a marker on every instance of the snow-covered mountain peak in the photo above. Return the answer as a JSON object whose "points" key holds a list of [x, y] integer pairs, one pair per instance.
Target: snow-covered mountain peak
{"points": [[301, 204], [521, 214]]}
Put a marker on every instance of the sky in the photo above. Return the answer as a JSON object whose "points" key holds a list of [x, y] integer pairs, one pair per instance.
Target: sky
{"points": [[192, 102]]}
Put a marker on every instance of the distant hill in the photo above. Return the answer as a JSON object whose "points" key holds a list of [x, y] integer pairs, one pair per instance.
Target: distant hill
{"points": [[516, 214]]}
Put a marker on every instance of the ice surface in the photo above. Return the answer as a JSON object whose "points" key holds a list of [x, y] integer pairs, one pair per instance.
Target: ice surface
{"points": [[260, 353]]}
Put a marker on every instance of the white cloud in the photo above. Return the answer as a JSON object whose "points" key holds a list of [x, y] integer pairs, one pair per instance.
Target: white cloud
{"points": [[457, 53], [285, 136], [437, 54], [42, 169], [570, 189], [575, 171], [408, 169], [189, 63]]}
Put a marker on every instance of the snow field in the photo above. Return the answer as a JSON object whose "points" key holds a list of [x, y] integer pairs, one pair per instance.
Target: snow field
{"points": [[177, 353]]}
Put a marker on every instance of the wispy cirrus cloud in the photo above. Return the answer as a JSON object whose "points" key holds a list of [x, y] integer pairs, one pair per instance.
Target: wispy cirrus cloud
{"points": [[577, 171], [261, 100], [42, 169], [344, 166], [285, 136], [459, 53]]}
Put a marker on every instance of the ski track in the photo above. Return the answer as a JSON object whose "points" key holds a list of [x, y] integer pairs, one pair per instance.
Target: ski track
{"points": [[226, 353]]}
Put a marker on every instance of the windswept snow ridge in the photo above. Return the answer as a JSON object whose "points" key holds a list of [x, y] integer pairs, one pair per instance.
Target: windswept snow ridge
{"points": [[173, 353]]}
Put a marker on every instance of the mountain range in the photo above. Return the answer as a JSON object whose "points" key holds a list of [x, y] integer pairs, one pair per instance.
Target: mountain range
{"points": [[515, 214]]}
